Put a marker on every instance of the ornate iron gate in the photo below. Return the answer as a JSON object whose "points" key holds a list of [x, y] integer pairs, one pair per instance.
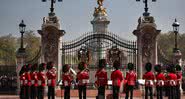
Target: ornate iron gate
{"points": [[95, 46]]}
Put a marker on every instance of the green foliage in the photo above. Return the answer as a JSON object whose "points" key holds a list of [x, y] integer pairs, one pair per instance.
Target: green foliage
{"points": [[7, 50], [166, 44], [32, 44]]}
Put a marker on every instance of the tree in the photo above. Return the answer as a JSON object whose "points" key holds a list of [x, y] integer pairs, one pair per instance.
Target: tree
{"points": [[32, 44], [166, 44], [7, 50]]}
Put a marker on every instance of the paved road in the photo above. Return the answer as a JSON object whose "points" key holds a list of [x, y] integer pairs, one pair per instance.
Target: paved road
{"points": [[17, 97]]}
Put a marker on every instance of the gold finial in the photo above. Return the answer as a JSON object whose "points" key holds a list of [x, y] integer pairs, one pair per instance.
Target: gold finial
{"points": [[100, 2]]}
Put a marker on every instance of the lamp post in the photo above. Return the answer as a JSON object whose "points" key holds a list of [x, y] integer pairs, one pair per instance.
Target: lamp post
{"points": [[175, 26], [22, 27]]}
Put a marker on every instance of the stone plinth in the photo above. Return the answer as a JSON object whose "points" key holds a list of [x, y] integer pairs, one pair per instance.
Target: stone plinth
{"points": [[146, 33], [50, 40]]}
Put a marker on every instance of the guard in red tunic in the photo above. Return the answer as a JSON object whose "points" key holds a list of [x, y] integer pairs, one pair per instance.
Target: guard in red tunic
{"points": [[67, 78], [131, 80], [41, 81], [102, 79], [82, 79], [34, 81], [149, 78], [22, 82], [51, 80], [27, 81], [172, 78], [160, 78], [179, 80], [117, 78]]}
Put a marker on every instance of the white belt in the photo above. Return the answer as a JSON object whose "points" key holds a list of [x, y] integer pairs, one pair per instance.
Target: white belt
{"points": [[39, 82], [172, 82], [49, 81], [21, 82], [26, 81], [66, 83], [160, 82], [32, 82], [85, 81], [149, 82]]}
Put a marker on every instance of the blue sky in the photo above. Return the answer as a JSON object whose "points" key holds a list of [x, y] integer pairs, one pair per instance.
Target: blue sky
{"points": [[75, 15]]}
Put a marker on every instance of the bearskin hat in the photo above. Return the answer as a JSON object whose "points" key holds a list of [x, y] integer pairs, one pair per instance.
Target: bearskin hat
{"points": [[50, 65], [102, 63], [65, 68], [178, 67], [172, 68], [82, 66], [34, 67], [42, 66], [23, 69], [130, 66], [157, 68], [148, 66], [28, 67], [116, 64]]}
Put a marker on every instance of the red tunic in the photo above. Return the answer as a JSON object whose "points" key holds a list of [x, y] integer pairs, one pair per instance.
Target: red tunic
{"points": [[116, 78], [34, 78], [172, 77], [66, 79], [83, 78], [160, 78], [102, 79], [27, 79], [22, 79], [148, 77], [51, 75], [41, 79], [179, 77], [131, 78]]}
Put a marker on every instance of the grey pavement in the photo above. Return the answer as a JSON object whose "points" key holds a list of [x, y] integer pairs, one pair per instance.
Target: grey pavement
{"points": [[17, 97]]}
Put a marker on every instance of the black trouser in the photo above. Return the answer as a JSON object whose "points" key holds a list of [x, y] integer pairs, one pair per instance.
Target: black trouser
{"points": [[22, 92], [150, 89], [167, 88], [101, 92], [129, 88], [178, 92], [51, 92], [27, 92], [172, 93], [33, 93], [115, 92], [40, 92], [82, 89], [159, 92], [67, 92]]}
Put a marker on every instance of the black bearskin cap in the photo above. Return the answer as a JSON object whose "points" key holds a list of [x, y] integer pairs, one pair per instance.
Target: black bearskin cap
{"points": [[148, 66], [42, 66], [102, 63], [65, 68], [158, 68], [49, 65], [116, 64], [178, 67], [130, 66], [81, 66], [34, 67]]}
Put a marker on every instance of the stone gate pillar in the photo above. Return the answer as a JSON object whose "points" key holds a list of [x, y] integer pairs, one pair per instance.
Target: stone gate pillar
{"points": [[146, 33], [50, 40]]}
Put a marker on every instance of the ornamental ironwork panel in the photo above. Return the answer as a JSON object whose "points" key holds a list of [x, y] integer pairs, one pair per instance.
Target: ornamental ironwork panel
{"points": [[97, 46]]}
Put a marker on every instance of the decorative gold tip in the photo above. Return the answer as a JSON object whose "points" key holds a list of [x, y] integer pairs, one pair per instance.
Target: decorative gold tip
{"points": [[100, 2], [101, 10]]}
